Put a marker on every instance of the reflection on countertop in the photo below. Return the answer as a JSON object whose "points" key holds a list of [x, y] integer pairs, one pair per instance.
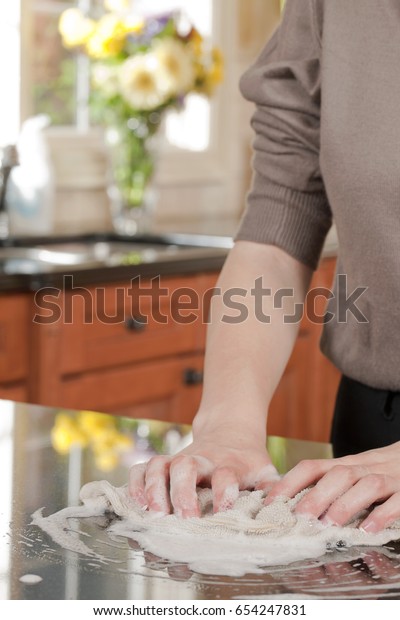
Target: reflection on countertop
{"points": [[40, 470]]}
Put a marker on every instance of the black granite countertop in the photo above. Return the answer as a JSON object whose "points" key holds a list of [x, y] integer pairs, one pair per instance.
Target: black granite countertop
{"points": [[29, 264]]}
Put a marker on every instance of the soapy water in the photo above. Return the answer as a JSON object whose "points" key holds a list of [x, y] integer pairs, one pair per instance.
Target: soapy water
{"points": [[341, 573], [108, 543]]}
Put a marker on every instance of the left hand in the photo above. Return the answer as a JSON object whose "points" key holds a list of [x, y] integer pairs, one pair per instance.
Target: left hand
{"points": [[345, 486]]}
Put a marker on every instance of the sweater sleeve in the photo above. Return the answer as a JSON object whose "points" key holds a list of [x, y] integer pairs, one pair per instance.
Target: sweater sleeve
{"points": [[287, 205]]}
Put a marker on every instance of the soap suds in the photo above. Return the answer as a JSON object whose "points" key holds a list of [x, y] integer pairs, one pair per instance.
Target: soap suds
{"points": [[242, 540], [30, 580]]}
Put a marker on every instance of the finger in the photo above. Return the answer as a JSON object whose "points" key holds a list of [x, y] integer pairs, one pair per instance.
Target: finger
{"points": [[367, 491], [225, 489], [329, 488], [266, 478], [383, 516], [300, 477], [136, 484], [157, 485], [185, 473]]}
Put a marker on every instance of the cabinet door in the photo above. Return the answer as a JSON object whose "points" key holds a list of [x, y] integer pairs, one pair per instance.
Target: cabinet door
{"points": [[166, 389], [14, 337], [303, 404], [14, 391]]}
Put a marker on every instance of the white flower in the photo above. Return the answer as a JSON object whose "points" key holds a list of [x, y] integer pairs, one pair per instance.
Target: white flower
{"points": [[105, 78], [175, 65], [74, 27], [141, 82]]}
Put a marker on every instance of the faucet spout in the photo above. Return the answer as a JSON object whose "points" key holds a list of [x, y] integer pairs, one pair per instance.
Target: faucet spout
{"points": [[9, 159]]}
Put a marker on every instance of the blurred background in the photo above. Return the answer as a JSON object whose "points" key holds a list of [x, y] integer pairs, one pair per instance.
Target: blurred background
{"points": [[203, 169]]}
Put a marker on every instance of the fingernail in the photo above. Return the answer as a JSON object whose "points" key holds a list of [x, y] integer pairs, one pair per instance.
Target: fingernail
{"points": [[370, 527]]}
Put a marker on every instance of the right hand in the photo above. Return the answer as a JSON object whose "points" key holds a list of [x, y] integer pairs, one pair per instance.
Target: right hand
{"points": [[225, 461]]}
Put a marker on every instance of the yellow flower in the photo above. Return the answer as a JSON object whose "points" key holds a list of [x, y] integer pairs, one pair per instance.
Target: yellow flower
{"points": [[106, 461], [141, 83], [209, 77], [75, 28], [66, 433], [175, 65], [92, 423], [133, 24], [108, 37], [117, 5], [196, 42]]}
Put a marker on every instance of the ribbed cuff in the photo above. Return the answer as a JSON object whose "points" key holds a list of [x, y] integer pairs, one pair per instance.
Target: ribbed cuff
{"points": [[296, 222]]}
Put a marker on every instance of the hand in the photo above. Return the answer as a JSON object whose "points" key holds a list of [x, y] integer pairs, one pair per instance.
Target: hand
{"points": [[346, 486], [225, 461]]}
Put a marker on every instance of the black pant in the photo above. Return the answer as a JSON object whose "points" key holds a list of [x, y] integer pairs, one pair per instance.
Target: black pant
{"points": [[364, 418]]}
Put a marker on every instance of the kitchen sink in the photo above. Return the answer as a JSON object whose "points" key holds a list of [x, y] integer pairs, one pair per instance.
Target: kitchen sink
{"points": [[58, 254]]}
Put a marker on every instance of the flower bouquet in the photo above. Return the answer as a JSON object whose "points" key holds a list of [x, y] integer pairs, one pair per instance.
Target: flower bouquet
{"points": [[141, 67]]}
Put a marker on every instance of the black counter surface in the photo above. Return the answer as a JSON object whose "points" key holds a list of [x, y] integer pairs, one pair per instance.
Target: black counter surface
{"points": [[29, 264]]}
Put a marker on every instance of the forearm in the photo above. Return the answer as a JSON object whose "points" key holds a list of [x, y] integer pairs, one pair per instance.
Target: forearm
{"points": [[246, 359]]}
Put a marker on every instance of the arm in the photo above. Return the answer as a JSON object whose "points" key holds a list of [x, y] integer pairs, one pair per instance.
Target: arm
{"points": [[244, 363], [280, 238]]}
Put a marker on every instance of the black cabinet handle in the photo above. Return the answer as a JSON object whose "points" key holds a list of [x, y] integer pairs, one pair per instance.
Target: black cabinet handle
{"points": [[191, 376], [136, 323]]}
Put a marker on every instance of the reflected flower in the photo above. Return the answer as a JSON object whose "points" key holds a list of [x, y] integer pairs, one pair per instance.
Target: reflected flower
{"points": [[66, 434], [95, 431]]}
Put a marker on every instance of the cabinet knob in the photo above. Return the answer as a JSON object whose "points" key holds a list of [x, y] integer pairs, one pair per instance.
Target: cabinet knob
{"points": [[136, 323], [192, 376]]}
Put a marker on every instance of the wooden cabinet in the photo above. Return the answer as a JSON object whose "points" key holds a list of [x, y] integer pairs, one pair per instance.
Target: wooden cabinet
{"points": [[124, 349], [118, 349], [303, 404], [14, 339]]}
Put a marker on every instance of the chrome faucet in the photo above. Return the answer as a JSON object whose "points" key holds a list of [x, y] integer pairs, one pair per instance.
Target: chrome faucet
{"points": [[8, 161]]}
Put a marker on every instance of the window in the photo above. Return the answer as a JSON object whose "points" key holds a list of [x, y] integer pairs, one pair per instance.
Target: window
{"points": [[59, 80], [199, 175], [10, 65]]}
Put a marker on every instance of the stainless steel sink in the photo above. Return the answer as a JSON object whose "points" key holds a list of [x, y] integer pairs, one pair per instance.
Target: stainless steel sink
{"points": [[90, 253]]}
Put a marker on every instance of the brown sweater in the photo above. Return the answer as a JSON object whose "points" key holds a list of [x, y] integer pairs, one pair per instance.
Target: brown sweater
{"points": [[327, 145]]}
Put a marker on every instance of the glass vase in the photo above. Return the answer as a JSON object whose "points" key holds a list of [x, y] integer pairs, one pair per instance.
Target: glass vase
{"points": [[133, 158]]}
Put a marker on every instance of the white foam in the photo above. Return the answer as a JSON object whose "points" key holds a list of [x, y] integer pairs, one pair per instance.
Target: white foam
{"points": [[30, 580], [241, 540]]}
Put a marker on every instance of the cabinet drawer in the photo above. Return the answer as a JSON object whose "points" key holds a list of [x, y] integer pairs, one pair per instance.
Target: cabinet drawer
{"points": [[14, 337], [117, 325], [14, 391], [168, 385]]}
